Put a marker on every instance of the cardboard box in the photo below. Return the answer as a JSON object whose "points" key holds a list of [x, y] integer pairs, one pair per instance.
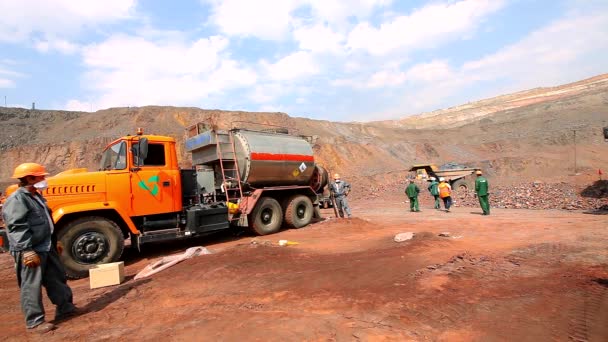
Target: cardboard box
{"points": [[107, 274]]}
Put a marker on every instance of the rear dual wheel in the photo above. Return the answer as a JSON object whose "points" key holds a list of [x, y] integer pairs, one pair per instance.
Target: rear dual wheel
{"points": [[267, 216], [299, 211]]}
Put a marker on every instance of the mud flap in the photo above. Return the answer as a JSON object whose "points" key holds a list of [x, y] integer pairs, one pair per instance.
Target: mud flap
{"points": [[135, 242], [243, 221]]}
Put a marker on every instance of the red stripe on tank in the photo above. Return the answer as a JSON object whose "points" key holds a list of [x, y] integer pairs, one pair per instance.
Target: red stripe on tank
{"points": [[280, 156]]}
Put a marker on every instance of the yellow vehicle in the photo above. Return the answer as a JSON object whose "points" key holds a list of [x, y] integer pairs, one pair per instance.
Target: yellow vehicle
{"points": [[460, 179], [252, 179]]}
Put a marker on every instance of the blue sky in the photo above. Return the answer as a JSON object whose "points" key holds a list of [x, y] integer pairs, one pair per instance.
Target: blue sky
{"points": [[339, 60]]}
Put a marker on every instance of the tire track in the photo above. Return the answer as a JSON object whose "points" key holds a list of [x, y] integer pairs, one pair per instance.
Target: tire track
{"points": [[584, 318]]}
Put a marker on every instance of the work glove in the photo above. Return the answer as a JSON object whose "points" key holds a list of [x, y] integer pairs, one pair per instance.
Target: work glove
{"points": [[59, 247], [30, 259]]}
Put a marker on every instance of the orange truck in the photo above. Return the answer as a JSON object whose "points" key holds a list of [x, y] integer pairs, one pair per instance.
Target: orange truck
{"points": [[261, 180]]}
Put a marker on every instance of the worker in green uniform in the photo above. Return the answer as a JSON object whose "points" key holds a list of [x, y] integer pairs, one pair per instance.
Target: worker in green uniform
{"points": [[481, 190], [434, 190], [412, 191]]}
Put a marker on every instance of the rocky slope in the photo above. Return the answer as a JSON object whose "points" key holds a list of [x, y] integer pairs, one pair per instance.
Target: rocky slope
{"points": [[522, 136]]}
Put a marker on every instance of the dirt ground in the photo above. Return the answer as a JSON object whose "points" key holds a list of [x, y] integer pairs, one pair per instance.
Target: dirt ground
{"points": [[517, 275]]}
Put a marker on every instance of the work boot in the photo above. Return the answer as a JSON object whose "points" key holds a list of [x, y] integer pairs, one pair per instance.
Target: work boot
{"points": [[42, 328]]}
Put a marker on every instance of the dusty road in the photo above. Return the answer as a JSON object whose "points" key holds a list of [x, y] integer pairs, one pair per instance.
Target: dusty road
{"points": [[517, 275]]}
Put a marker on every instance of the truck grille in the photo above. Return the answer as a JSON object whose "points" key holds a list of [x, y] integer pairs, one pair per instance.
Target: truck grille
{"points": [[69, 190]]}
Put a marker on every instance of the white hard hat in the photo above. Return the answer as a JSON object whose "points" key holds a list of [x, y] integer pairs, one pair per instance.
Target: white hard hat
{"points": [[432, 178], [441, 179]]}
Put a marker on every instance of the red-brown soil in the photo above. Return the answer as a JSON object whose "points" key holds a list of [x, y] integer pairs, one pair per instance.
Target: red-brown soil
{"points": [[519, 275]]}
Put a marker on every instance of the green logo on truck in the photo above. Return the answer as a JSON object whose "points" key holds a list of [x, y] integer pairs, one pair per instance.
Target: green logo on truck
{"points": [[146, 185]]}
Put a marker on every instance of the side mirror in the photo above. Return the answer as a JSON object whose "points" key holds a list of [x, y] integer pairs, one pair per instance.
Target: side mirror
{"points": [[143, 148]]}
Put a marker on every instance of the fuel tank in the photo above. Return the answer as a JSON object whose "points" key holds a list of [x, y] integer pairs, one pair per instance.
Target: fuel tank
{"points": [[264, 159]]}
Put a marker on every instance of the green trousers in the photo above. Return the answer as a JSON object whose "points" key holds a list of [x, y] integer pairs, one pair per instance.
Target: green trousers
{"points": [[437, 202], [484, 202], [414, 204]]}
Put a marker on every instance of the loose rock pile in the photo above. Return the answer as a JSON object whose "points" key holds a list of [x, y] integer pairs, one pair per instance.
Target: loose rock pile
{"points": [[539, 195]]}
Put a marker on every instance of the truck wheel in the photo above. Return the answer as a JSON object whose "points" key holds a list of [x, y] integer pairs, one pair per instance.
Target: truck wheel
{"points": [[460, 187], [266, 217], [299, 211], [89, 241]]}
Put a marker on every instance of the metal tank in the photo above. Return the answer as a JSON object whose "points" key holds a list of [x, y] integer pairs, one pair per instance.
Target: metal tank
{"points": [[264, 159], [267, 159]]}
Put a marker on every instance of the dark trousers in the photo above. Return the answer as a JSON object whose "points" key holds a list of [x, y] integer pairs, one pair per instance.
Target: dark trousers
{"points": [[342, 205], [49, 274], [447, 202]]}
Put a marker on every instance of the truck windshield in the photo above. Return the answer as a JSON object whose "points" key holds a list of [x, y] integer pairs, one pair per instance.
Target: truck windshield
{"points": [[114, 157]]}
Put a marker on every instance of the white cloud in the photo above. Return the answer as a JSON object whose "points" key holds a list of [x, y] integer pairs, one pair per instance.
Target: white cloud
{"points": [[429, 72], [57, 21], [386, 79], [274, 20], [564, 51], [338, 11], [59, 45], [547, 55], [265, 19], [7, 76], [78, 106], [267, 93], [174, 72], [319, 38], [294, 66], [6, 83], [424, 28]]}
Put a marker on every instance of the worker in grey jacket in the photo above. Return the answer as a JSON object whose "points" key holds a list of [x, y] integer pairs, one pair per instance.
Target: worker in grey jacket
{"points": [[340, 190], [33, 245]]}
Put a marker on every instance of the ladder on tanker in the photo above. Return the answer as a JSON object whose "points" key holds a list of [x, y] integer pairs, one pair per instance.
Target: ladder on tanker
{"points": [[230, 175]]}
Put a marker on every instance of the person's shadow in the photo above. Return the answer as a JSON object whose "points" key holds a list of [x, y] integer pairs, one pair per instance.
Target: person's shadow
{"points": [[110, 297]]}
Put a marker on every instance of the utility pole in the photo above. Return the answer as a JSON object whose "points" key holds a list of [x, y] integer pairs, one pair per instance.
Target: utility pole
{"points": [[4, 100]]}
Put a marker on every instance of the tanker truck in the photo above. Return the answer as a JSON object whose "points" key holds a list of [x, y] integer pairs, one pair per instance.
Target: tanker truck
{"points": [[259, 180]]}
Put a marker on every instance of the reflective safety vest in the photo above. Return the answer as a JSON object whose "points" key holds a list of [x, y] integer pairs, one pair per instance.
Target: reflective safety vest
{"points": [[444, 190]]}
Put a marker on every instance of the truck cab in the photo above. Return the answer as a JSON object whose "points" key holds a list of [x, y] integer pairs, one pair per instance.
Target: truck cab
{"points": [[136, 193]]}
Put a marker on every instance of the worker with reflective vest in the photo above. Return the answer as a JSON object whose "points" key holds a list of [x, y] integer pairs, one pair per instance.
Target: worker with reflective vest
{"points": [[34, 247], [481, 190], [340, 189], [445, 192]]}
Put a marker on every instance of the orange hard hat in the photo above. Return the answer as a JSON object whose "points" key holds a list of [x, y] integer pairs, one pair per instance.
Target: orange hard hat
{"points": [[478, 172], [29, 169], [336, 176]]}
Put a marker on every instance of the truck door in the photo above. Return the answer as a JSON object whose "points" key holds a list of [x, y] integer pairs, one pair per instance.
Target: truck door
{"points": [[152, 182]]}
